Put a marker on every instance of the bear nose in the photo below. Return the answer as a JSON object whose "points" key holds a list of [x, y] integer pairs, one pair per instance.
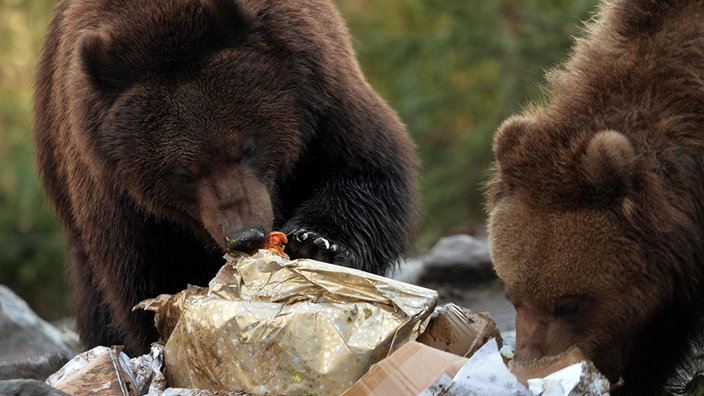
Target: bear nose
{"points": [[245, 240]]}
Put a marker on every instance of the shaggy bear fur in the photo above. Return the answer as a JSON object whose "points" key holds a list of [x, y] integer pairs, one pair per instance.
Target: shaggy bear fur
{"points": [[596, 203], [169, 131]]}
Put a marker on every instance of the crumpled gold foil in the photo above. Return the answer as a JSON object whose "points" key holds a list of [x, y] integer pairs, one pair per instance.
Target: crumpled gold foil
{"points": [[270, 326]]}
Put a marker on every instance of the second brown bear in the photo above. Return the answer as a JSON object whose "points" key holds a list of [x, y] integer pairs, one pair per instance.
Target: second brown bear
{"points": [[597, 199]]}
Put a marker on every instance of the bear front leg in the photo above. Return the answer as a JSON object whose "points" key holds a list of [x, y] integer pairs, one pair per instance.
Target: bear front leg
{"points": [[93, 319], [358, 222], [129, 257]]}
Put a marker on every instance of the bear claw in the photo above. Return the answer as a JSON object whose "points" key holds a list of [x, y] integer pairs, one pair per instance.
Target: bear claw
{"points": [[308, 244]]}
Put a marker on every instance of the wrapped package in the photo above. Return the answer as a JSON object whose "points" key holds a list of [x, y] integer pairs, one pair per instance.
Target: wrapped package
{"points": [[108, 371], [99, 371], [268, 325]]}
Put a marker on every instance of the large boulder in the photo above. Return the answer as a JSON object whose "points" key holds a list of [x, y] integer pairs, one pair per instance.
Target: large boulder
{"points": [[460, 269], [28, 387], [453, 258], [30, 347]]}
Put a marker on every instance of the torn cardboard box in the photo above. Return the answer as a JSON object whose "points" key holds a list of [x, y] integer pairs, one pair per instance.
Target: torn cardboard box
{"points": [[407, 371], [459, 330]]}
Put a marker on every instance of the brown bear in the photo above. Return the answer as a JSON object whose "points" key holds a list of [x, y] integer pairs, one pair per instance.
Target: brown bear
{"points": [[170, 131], [596, 199]]}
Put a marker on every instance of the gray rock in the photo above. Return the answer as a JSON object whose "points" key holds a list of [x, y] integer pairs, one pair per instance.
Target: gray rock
{"points": [[69, 333], [37, 367], [28, 387], [459, 268], [456, 257], [23, 334], [409, 271]]}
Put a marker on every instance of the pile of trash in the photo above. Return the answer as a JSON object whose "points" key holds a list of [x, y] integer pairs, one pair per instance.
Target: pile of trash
{"points": [[267, 325]]}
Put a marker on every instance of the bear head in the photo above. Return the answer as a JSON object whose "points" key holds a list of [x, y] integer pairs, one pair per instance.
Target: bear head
{"points": [[596, 199], [197, 125], [579, 226]]}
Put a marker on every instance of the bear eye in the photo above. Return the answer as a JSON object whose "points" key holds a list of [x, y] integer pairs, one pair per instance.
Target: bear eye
{"points": [[248, 151], [183, 177], [567, 306]]}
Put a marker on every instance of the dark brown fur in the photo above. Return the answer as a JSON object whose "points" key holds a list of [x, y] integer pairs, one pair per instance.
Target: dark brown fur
{"points": [[597, 198], [165, 129]]}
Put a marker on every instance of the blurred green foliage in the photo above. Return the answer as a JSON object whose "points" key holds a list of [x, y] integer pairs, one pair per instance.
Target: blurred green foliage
{"points": [[31, 245], [452, 69]]}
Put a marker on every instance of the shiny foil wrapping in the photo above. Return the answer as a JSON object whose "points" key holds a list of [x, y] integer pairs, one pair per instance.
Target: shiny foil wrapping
{"points": [[268, 325]]}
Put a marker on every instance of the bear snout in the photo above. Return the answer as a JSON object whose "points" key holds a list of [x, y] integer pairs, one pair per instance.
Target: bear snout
{"points": [[532, 335], [236, 210], [245, 240]]}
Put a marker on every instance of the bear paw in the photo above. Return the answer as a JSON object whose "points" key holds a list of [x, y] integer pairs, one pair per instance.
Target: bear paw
{"points": [[308, 244]]}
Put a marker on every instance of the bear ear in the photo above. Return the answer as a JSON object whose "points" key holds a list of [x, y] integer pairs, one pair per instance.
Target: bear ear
{"points": [[637, 18], [508, 137], [107, 69], [609, 164]]}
